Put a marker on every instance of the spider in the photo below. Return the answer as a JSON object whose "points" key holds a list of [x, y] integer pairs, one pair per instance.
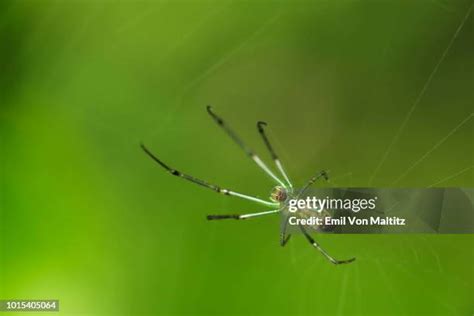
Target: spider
{"points": [[280, 194]]}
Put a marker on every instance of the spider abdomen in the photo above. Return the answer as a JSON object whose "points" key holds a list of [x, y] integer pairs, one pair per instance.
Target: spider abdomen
{"points": [[279, 194]]}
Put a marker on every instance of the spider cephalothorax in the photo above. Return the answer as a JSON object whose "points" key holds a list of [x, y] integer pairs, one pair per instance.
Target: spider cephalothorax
{"points": [[278, 196]]}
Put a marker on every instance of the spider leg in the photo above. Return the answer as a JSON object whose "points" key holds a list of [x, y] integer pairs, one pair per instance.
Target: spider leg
{"points": [[241, 216], [216, 188], [261, 130], [321, 174], [317, 246], [284, 238], [239, 142]]}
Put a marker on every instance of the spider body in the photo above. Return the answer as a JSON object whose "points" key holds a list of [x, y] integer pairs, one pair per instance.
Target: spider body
{"points": [[279, 194]]}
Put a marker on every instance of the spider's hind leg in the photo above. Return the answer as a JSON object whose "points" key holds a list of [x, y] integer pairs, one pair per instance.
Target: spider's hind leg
{"points": [[317, 246], [284, 237]]}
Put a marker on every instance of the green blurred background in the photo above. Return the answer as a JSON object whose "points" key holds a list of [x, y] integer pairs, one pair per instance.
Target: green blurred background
{"points": [[371, 90]]}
